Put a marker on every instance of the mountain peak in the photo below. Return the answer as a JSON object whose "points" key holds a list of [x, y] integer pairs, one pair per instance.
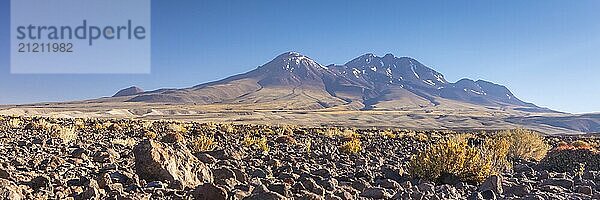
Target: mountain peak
{"points": [[290, 54], [133, 90]]}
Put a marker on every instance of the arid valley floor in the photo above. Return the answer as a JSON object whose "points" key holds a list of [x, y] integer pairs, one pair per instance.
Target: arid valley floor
{"points": [[102, 158]]}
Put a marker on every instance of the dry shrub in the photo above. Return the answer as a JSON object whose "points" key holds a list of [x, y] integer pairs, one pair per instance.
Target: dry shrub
{"points": [[308, 144], [330, 132], [67, 134], [129, 142], [285, 130], [580, 144], [256, 143], [41, 125], [227, 128], [15, 123], [456, 157], [176, 128], [525, 144], [349, 135], [150, 135], [147, 124], [421, 137], [203, 143], [79, 123], [351, 147], [388, 134]]}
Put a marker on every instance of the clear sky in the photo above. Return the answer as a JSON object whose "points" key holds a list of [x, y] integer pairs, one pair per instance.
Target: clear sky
{"points": [[546, 52]]}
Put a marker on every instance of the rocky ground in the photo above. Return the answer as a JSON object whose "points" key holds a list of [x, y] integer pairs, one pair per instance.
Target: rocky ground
{"points": [[126, 159]]}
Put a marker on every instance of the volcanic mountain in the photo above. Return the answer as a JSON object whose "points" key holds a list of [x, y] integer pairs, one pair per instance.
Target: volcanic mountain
{"points": [[296, 82]]}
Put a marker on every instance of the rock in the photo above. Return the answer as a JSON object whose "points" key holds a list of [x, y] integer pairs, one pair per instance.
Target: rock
{"points": [[225, 154], [173, 138], [178, 166], [92, 191], [280, 188], [40, 182], [223, 173], [488, 194], [81, 181], [260, 173], [552, 189], [265, 196], [449, 179], [475, 196], [206, 158], [155, 184], [310, 196], [519, 190], [285, 139], [313, 187], [9, 190], [493, 183], [587, 190], [107, 156], [4, 173], [426, 187], [388, 183], [361, 184], [80, 153], [390, 173], [375, 193], [209, 191], [324, 173], [562, 182]]}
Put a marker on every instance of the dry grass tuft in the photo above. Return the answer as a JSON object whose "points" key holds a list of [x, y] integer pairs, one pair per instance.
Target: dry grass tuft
{"points": [[351, 147], [203, 143], [257, 143], [67, 134], [150, 135]]}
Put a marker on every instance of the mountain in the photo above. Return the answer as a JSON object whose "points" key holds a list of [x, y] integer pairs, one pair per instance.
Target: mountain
{"points": [[297, 82], [133, 90]]}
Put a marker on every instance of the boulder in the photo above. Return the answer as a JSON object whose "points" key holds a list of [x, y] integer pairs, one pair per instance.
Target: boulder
{"points": [[175, 164], [209, 191], [493, 183]]}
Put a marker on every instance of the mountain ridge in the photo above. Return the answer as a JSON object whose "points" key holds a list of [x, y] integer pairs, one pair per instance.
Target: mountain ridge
{"points": [[366, 82]]}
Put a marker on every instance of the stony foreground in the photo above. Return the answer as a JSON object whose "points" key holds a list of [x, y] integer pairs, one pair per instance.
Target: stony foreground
{"points": [[123, 159]]}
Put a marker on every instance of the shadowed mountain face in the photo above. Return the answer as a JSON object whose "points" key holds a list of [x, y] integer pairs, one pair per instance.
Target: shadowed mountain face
{"points": [[294, 81]]}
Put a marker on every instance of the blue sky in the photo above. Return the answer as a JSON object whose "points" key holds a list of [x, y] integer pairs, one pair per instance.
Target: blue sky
{"points": [[546, 52]]}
